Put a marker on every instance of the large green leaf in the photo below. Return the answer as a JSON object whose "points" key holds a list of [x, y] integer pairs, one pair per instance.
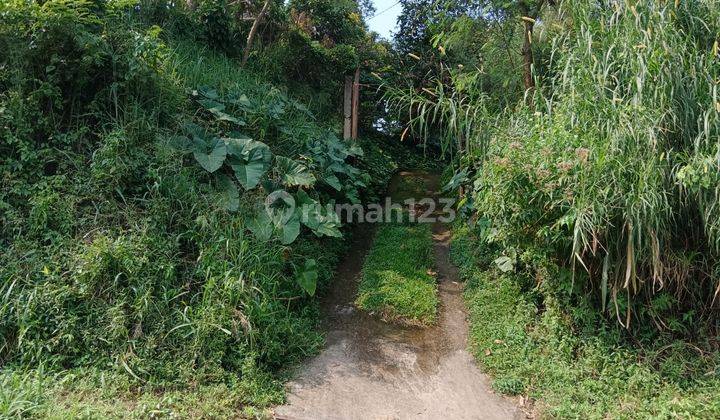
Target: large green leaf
{"points": [[230, 196], [294, 173], [323, 221], [207, 92], [328, 225], [280, 206], [249, 174], [269, 221], [356, 150], [250, 159], [307, 276], [213, 160], [261, 226], [290, 230], [218, 110], [332, 181], [211, 105]]}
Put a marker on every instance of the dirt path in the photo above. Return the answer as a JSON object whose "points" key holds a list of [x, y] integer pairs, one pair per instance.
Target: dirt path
{"points": [[374, 370]]}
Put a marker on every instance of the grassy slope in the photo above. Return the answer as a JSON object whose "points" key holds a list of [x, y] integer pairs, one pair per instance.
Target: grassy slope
{"points": [[172, 247], [534, 350]]}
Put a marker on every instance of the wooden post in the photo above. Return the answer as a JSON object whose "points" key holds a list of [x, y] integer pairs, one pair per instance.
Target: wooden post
{"points": [[347, 108], [355, 104]]}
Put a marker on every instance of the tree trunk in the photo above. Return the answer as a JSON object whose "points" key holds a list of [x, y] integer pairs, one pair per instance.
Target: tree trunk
{"points": [[527, 54], [253, 31], [529, 17]]}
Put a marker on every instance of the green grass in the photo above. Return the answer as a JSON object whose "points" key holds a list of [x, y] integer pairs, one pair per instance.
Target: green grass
{"points": [[396, 280], [537, 350], [122, 274], [108, 395]]}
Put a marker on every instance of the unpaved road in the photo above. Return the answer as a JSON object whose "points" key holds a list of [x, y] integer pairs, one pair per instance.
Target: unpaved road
{"points": [[374, 370]]}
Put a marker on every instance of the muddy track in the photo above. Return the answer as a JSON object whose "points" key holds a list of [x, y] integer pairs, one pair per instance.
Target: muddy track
{"points": [[370, 369]]}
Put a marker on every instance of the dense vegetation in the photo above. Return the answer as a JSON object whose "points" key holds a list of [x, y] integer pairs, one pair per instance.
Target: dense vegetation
{"points": [[154, 157], [601, 182], [586, 154], [137, 275], [566, 372]]}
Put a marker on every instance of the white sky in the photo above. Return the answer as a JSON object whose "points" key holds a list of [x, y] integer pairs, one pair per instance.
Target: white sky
{"points": [[385, 19]]}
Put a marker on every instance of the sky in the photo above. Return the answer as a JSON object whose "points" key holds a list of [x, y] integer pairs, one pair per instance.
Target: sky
{"points": [[385, 18]]}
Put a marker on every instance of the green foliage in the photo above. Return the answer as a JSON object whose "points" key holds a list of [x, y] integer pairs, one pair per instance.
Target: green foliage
{"points": [[108, 395], [21, 394], [338, 21], [307, 277], [608, 176], [132, 166], [396, 280], [531, 347], [219, 29]]}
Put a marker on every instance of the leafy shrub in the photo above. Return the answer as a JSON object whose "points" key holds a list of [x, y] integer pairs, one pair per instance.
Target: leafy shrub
{"points": [[603, 186], [532, 347], [126, 256]]}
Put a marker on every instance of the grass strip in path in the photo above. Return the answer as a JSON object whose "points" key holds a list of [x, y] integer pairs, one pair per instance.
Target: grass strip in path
{"points": [[397, 279]]}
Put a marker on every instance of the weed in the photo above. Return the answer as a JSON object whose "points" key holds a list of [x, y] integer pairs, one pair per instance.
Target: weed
{"points": [[535, 349]]}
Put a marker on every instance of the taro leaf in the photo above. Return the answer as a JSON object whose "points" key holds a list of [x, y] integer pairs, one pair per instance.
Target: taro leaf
{"points": [[310, 211], [249, 174], [338, 154], [307, 276], [339, 168], [294, 173], [329, 225], [505, 264], [356, 150], [241, 100], [261, 226], [302, 198], [212, 161], [290, 230], [218, 110], [280, 215], [230, 195], [222, 116], [280, 206], [237, 144], [208, 92], [332, 181], [250, 160], [323, 221], [195, 132], [181, 143], [211, 105]]}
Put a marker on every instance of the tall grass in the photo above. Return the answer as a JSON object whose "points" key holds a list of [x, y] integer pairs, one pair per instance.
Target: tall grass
{"points": [[614, 173]]}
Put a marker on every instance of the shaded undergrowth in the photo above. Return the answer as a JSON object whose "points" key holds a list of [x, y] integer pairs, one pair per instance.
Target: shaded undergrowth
{"points": [[531, 346]]}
